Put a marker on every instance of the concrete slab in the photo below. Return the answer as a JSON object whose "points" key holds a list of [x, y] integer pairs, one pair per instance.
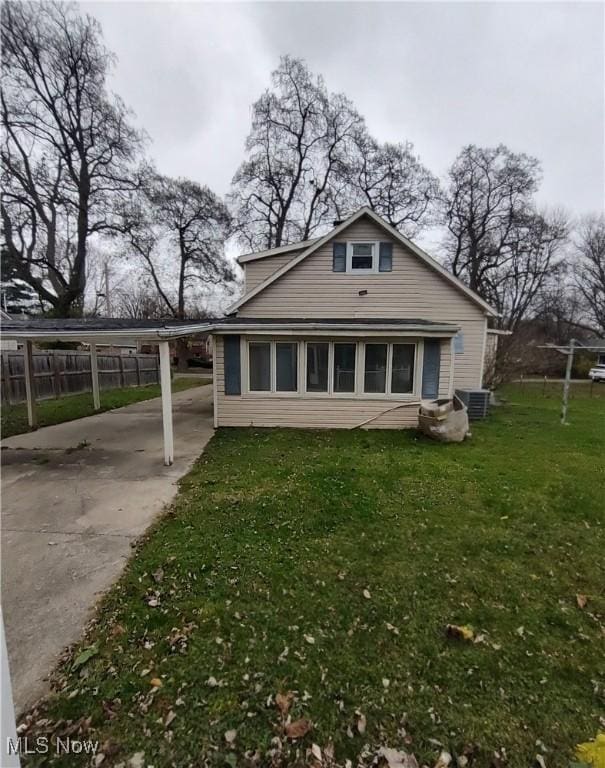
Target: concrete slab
{"points": [[74, 496]]}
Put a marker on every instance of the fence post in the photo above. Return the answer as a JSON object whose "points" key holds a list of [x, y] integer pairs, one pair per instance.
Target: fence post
{"points": [[568, 368], [30, 385], [138, 370], [544, 388], [121, 367], [94, 375], [56, 375]]}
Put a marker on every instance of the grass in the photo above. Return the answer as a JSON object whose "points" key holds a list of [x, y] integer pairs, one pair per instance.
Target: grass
{"points": [[329, 564], [70, 407]]}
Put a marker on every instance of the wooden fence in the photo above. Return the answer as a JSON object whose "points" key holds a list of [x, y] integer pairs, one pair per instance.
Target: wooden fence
{"points": [[66, 372]]}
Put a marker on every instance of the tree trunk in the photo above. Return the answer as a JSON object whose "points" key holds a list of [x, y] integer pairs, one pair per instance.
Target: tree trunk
{"points": [[182, 354]]}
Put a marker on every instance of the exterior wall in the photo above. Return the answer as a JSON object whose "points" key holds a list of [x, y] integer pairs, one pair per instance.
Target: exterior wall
{"points": [[411, 290], [257, 271], [319, 410]]}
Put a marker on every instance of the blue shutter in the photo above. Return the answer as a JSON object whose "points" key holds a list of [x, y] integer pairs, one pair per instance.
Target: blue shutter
{"points": [[430, 368], [233, 376], [339, 257], [385, 263]]}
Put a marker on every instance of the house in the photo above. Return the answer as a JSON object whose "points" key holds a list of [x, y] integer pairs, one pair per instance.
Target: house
{"points": [[352, 329]]}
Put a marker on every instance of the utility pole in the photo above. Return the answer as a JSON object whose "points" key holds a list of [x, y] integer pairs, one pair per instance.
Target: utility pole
{"points": [[107, 300], [570, 352]]}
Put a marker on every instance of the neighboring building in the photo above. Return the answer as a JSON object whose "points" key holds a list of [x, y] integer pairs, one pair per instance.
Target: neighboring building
{"points": [[7, 345], [356, 328]]}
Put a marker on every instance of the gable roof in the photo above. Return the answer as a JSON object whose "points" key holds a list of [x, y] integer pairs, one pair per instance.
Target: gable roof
{"points": [[397, 236], [244, 258]]}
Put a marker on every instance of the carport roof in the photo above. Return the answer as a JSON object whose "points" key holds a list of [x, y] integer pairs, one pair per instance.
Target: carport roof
{"points": [[99, 329]]}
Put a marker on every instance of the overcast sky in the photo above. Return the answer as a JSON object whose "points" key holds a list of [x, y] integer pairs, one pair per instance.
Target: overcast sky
{"points": [[441, 75]]}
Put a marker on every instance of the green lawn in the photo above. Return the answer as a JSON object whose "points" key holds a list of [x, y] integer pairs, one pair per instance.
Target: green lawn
{"points": [[70, 407], [328, 564]]}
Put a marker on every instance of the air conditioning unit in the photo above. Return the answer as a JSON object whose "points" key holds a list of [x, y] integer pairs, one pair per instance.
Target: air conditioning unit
{"points": [[476, 401]]}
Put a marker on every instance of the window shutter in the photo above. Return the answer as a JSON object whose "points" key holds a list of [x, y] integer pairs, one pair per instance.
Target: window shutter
{"points": [[385, 263], [339, 257], [233, 376], [459, 343], [430, 368]]}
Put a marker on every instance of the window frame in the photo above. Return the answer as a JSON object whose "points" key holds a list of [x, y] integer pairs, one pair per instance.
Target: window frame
{"points": [[375, 257], [360, 353], [388, 393], [272, 367]]}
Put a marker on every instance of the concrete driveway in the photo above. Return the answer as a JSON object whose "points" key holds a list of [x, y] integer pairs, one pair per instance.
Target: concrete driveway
{"points": [[74, 497]]}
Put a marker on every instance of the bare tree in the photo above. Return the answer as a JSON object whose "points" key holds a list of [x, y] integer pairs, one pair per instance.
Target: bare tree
{"points": [[392, 181], [487, 195], [178, 230], [528, 264], [590, 276], [299, 138], [68, 147]]}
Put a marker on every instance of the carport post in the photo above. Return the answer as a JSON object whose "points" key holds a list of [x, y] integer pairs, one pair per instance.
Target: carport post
{"points": [[94, 374], [166, 402], [29, 385]]}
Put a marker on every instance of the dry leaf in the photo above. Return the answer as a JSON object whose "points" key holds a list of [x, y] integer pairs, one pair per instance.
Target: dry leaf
{"points": [[158, 576], [460, 632], [283, 701], [366, 594], [396, 759], [444, 760], [581, 601], [156, 682], [169, 718], [298, 728], [230, 736], [361, 724], [310, 639], [117, 630], [316, 752]]}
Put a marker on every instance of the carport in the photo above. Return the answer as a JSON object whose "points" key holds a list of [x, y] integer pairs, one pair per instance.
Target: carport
{"points": [[95, 331]]}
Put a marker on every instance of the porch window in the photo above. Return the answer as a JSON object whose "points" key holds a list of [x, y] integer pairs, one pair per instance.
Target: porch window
{"points": [[402, 371], [260, 366], [375, 375], [317, 366], [344, 367], [286, 366]]}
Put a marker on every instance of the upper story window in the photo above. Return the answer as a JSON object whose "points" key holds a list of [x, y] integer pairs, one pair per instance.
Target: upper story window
{"points": [[362, 257]]}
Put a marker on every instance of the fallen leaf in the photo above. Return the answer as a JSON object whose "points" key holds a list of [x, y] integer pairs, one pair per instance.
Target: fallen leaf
{"points": [[310, 639], [396, 759], [158, 576], [460, 632], [361, 724], [169, 718], [443, 760], [99, 757], [212, 682], [283, 701], [84, 656], [298, 728], [117, 630], [156, 682], [316, 752], [540, 761], [581, 601], [385, 682], [230, 736], [366, 594], [137, 760], [520, 631]]}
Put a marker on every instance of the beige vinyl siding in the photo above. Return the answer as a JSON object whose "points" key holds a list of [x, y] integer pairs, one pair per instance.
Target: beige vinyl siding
{"points": [[411, 290], [321, 411], [257, 271]]}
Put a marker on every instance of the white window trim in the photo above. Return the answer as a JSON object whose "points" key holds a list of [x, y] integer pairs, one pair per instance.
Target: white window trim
{"points": [[375, 257], [273, 391], [358, 394], [415, 392]]}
